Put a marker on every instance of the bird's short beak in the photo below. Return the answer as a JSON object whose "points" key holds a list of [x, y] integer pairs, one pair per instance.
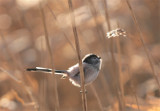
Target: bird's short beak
{"points": [[99, 57]]}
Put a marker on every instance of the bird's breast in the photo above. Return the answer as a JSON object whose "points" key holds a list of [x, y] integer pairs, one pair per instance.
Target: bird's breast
{"points": [[90, 74]]}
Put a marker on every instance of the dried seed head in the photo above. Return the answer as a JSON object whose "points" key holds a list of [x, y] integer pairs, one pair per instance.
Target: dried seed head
{"points": [[116, 33]]}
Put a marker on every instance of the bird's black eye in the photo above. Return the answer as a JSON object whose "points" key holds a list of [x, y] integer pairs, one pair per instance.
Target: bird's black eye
{"points": [[91, 59], [94, 57]]}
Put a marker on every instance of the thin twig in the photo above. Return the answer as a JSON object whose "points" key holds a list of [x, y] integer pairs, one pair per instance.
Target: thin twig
{"points": [[36, 106], [107, 15], [118, 88], [97, 97], [11, 75], [142, 41], [54, 16], [102, 78], [120, 71], [130, 76], [101, 36], [132, 89], [84, 101], [51, 58]]}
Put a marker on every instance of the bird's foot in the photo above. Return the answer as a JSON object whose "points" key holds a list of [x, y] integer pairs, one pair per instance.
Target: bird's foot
{"points": [[82, 92]]}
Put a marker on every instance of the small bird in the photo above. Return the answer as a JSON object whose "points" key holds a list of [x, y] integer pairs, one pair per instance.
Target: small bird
{"points": [[91, 66]]}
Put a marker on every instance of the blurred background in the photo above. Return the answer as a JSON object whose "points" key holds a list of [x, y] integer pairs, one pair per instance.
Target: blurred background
{"points": [[126, 72]]}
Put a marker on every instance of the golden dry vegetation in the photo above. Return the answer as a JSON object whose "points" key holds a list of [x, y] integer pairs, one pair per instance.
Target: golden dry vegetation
{"points": [[130, 73]]}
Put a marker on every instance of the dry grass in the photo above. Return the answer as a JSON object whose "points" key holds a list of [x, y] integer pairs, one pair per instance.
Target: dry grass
{"points": [[57, 32], [142, 41], [54, 79], [84, 100]]}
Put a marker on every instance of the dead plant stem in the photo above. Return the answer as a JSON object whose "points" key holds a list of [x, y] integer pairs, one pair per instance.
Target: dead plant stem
{"points": [[97, 97], [142, 41], [120, 71], [69, 42], [51, 58], [84, 101], [119, 88]]}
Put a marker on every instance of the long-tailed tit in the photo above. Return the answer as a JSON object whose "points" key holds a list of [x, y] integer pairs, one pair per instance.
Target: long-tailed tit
{"points": [[91, 66]]}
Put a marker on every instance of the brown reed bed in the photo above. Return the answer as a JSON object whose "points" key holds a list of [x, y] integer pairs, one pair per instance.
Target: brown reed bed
{"points": [[127, 81]]}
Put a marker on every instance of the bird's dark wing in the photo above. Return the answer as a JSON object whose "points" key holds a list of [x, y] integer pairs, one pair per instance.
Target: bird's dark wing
{"points": [[74, 70]]}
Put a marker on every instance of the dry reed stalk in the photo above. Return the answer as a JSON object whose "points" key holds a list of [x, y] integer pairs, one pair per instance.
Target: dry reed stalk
{"points": [[97, 97], [130, 76], [94, 14], [142, 41], [101, 77], [93, 10], [120, 71], [92, 86], [84, 100], [29, 92], [99, 29], [120, 93], [101, 34], [132, 86], [42, 94], [54, 16], [10, 75], [118, 89], [133, 91], [51, 58], [107, 15], [36, 106]]}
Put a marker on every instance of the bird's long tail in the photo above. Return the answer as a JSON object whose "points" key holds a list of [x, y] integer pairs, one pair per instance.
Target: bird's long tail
{"points": [[46, 70]]}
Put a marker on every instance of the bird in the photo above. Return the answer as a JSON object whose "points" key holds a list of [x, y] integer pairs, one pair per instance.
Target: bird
{"points": [[91, 67]]}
